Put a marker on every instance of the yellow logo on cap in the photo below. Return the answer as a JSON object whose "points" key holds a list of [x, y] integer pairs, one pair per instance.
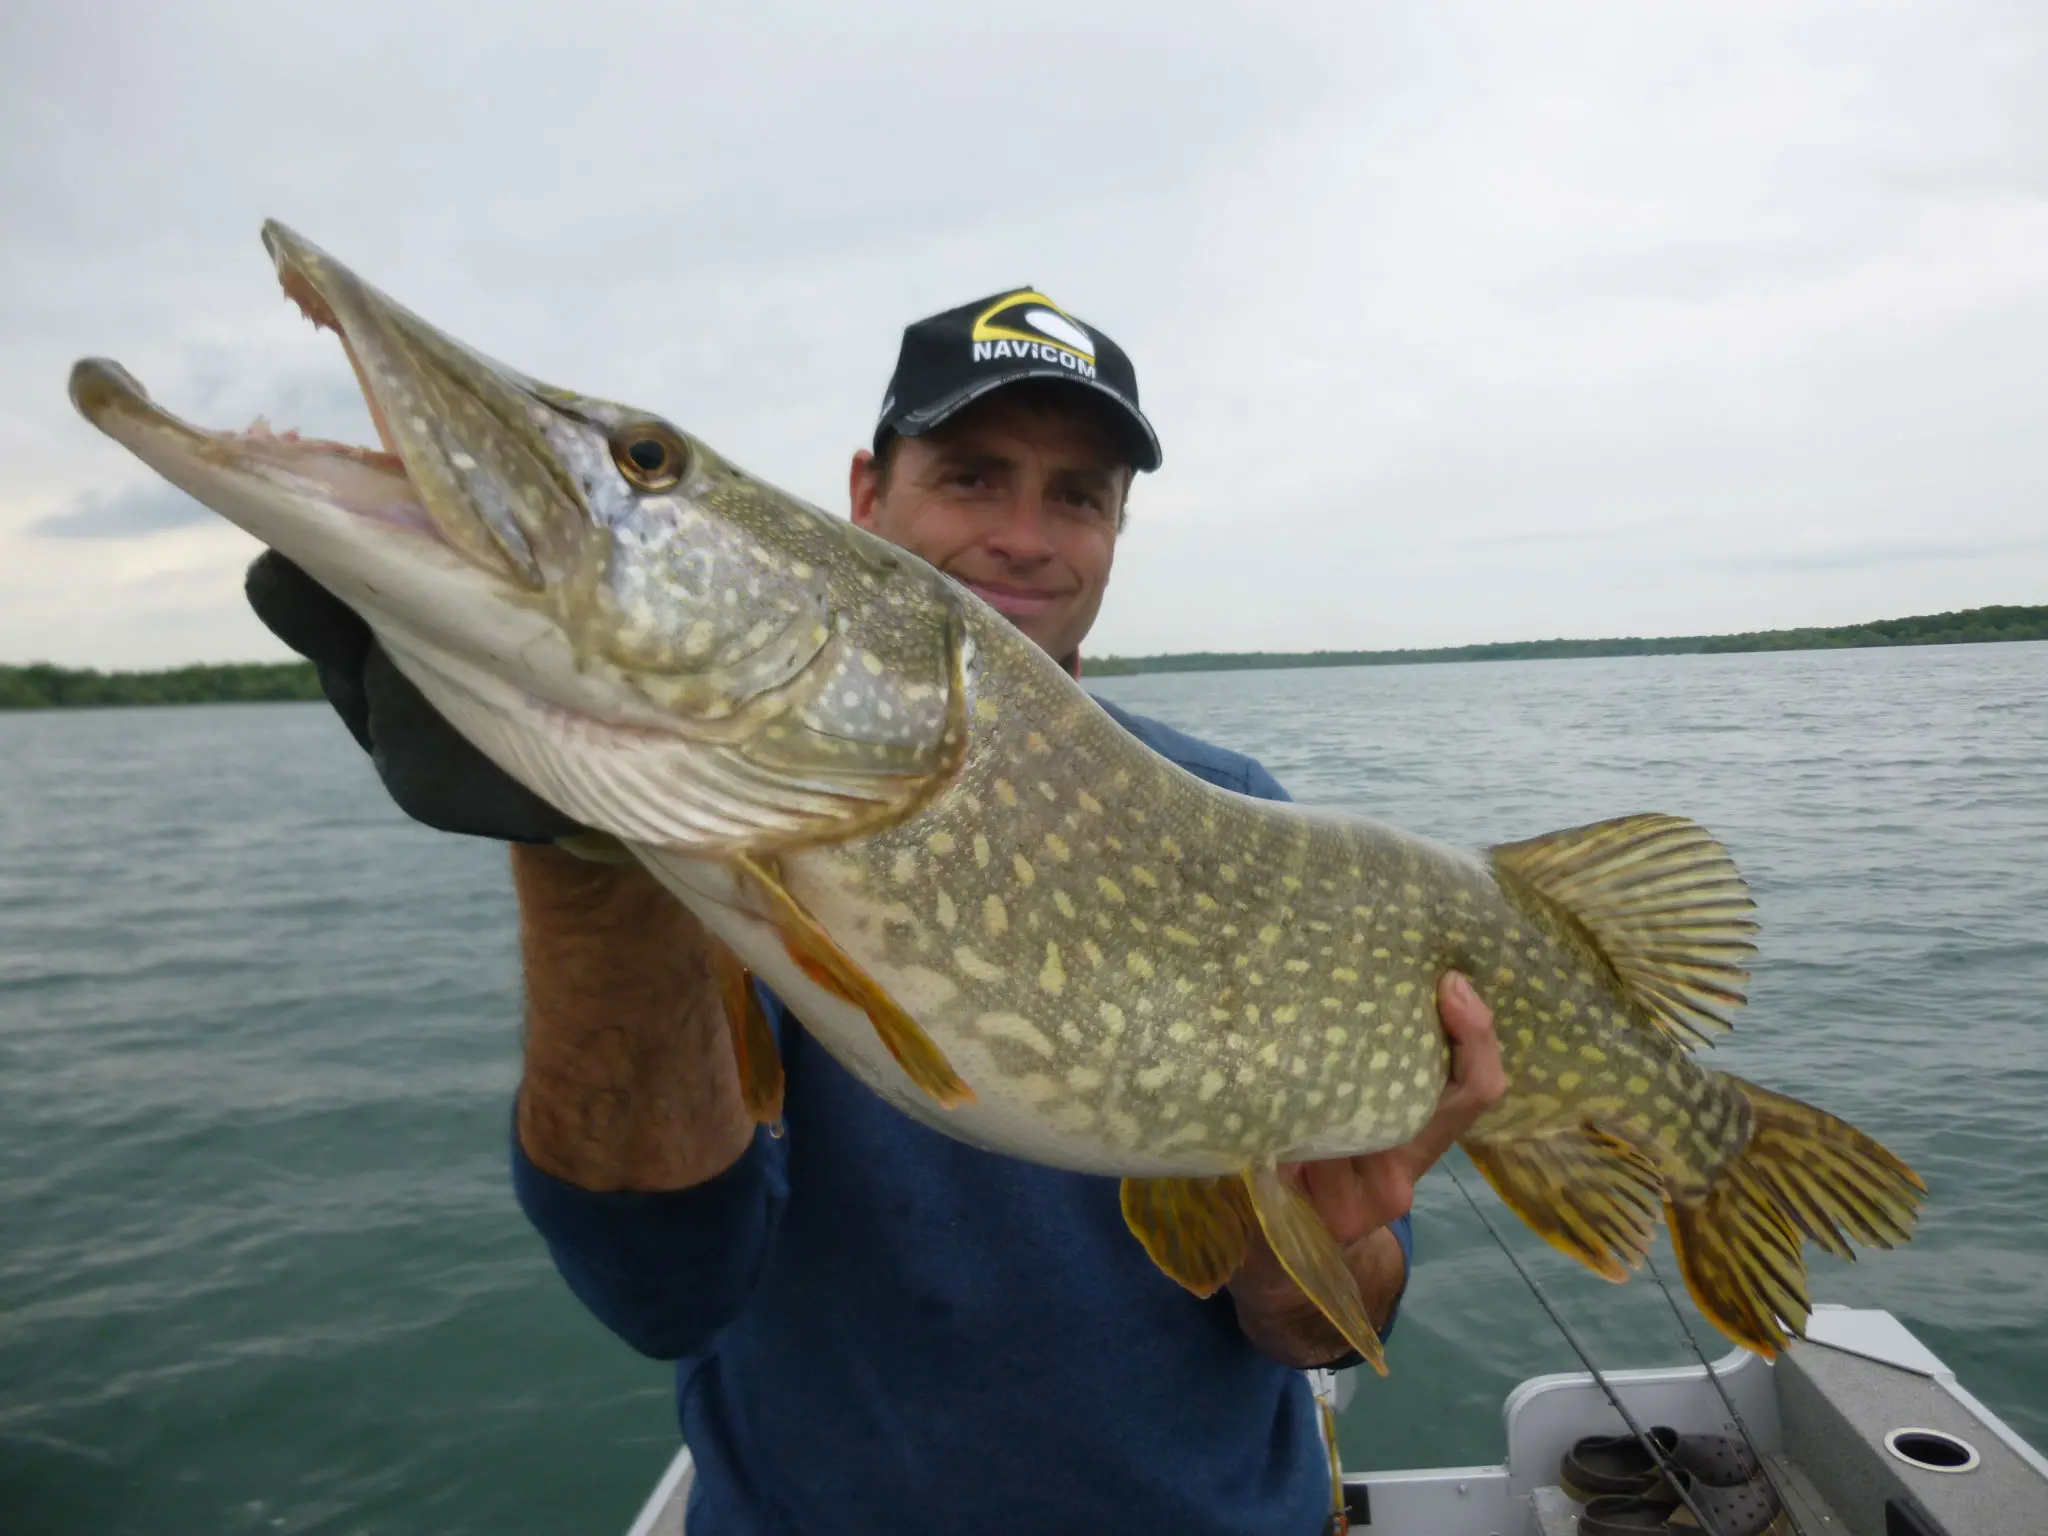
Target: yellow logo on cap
{"points": [[1031, 319]]}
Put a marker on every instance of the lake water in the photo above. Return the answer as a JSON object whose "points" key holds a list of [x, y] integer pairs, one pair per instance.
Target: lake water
{"points": [[260, 1269]]}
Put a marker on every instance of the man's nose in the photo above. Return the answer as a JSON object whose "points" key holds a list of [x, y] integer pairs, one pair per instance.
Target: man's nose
{"points": [[1020, 533]]}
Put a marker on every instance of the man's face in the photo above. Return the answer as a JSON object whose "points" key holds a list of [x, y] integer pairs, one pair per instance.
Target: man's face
{"points": [[1017, 497]]}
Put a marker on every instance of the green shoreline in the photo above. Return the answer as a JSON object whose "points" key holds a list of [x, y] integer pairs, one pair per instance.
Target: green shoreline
{"points": [[44, 686], [1971, 626]]}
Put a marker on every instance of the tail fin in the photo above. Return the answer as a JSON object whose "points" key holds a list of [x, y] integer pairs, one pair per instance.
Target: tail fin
{"points": [[1803, 1174]]}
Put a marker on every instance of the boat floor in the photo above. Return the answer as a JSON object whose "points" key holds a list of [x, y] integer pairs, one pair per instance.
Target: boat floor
{"points": [[1867, 1432]]}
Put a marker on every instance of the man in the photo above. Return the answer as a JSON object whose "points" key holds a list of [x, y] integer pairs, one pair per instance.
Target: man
{"points": [[877, 1328]]}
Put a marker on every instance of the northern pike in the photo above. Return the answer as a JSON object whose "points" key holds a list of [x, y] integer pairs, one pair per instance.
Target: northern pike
{"points": [[994, 906]]}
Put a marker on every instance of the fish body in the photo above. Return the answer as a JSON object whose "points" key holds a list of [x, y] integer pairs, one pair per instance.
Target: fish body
{"points": [[990, 902]]}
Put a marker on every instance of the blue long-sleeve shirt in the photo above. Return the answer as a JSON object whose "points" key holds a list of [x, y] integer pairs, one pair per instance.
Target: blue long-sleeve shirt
{"points": [[877, 1328]]}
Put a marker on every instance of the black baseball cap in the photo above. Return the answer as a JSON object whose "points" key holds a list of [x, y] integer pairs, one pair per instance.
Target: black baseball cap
{"points": [[951, 360]]}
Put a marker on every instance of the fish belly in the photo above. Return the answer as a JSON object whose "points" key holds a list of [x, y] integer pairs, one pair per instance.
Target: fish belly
{"points": [[1008, 1114]]}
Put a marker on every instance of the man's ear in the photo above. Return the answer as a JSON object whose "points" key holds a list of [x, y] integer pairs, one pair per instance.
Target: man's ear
{"points": [[863, 488]]}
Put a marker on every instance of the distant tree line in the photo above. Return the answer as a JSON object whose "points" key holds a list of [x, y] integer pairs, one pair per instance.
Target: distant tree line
{"points": [[1973, 625], [42, 686]]}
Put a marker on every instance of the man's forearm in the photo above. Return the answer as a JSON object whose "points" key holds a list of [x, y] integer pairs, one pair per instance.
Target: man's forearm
{"points": [[1286, 1326], [629, 1078]]}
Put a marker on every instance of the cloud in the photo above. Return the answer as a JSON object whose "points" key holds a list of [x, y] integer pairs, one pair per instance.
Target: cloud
{"points": [[1459, 322], [137, 511]]}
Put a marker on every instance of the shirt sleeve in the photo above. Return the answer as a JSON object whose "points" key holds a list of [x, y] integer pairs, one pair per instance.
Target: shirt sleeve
{"points": [[664, 1270]]}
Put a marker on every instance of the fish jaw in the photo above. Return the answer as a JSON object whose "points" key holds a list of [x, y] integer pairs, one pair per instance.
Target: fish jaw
{"points": [[349, 515], [655, 643]]}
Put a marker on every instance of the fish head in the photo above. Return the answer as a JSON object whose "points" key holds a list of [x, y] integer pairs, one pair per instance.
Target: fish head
{"points": [[578, 584]]}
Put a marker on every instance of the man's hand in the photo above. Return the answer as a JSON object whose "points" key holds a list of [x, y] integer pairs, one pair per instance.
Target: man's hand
{"points": [[630, 1081], [428, 767], [1357, 1197]]}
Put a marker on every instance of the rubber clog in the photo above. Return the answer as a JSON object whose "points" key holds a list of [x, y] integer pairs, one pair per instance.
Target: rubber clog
{"points": [[1748, 1508], [1618, 1466]]}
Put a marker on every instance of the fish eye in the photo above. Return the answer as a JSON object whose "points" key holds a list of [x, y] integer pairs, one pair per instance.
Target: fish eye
{"points": [[651, 454]]}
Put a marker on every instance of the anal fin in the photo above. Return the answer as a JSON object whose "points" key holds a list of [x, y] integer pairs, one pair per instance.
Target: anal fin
{"points": [[1313, 1260], [1197, 1230], [832, 968], [1584, 1192], [753, 1043]]}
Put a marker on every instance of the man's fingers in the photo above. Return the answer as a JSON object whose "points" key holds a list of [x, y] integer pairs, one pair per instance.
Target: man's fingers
{"points": [[1334, 1190], [1478, 1079], [305, 615]]}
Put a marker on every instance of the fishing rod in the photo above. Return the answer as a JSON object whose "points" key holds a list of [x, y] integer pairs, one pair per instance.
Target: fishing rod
{"points": [[1671, 1470], [1728, 1402]]}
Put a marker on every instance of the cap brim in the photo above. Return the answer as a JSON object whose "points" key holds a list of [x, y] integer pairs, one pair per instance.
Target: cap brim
{"points": [[1139, 438]]}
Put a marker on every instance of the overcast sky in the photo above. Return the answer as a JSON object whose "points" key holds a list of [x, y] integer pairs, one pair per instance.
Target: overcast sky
{"points": [[1458, 322]]}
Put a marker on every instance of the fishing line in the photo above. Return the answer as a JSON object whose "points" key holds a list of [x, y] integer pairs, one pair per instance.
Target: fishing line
{"points": [[1741, 1428], [1672, 1472]]}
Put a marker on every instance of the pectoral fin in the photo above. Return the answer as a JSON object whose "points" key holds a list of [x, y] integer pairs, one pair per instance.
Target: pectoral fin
{"points": [[1313, 1260], [1197, 1230], [753, 1043], [833, 969]]}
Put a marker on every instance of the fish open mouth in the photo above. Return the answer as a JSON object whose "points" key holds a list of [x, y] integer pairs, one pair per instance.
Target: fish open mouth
{"points": [[368, 482]]}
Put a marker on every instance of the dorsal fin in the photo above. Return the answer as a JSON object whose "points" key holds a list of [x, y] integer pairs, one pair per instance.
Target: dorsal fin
{"points": [[1662, 901]]}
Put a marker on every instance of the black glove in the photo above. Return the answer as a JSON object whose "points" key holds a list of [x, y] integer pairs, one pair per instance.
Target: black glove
{"points": [[428, 767]]}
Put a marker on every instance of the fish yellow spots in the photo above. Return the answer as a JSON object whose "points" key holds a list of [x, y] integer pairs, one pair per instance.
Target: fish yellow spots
{"points": [[1036, 1088], [1286, 1013], [1006, 792], [995, 917], [1296, 967], [940, 843], [1082, 1079], [1057, 847], [1094, 954], [946, 913], [1144, 876], [1023, 869], [1088, 802], [1136, 963], [1064, 902], [1403, 988], [1112, 1018], [1204, 902], [1180, 1031], [1335, 1034], [1015, 1028], [1567, 1081], [904, 870], [1344, 973], [981, 851], [1034, 742], [1592, 1053], [973, 965], [1052, 976], [1111, 891], [985, 709], [1212, 1084], [1270, 935]]}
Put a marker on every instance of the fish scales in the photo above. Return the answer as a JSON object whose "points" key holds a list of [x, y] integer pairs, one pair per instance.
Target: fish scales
{"points": [[1161, 967], [986, 899]]}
